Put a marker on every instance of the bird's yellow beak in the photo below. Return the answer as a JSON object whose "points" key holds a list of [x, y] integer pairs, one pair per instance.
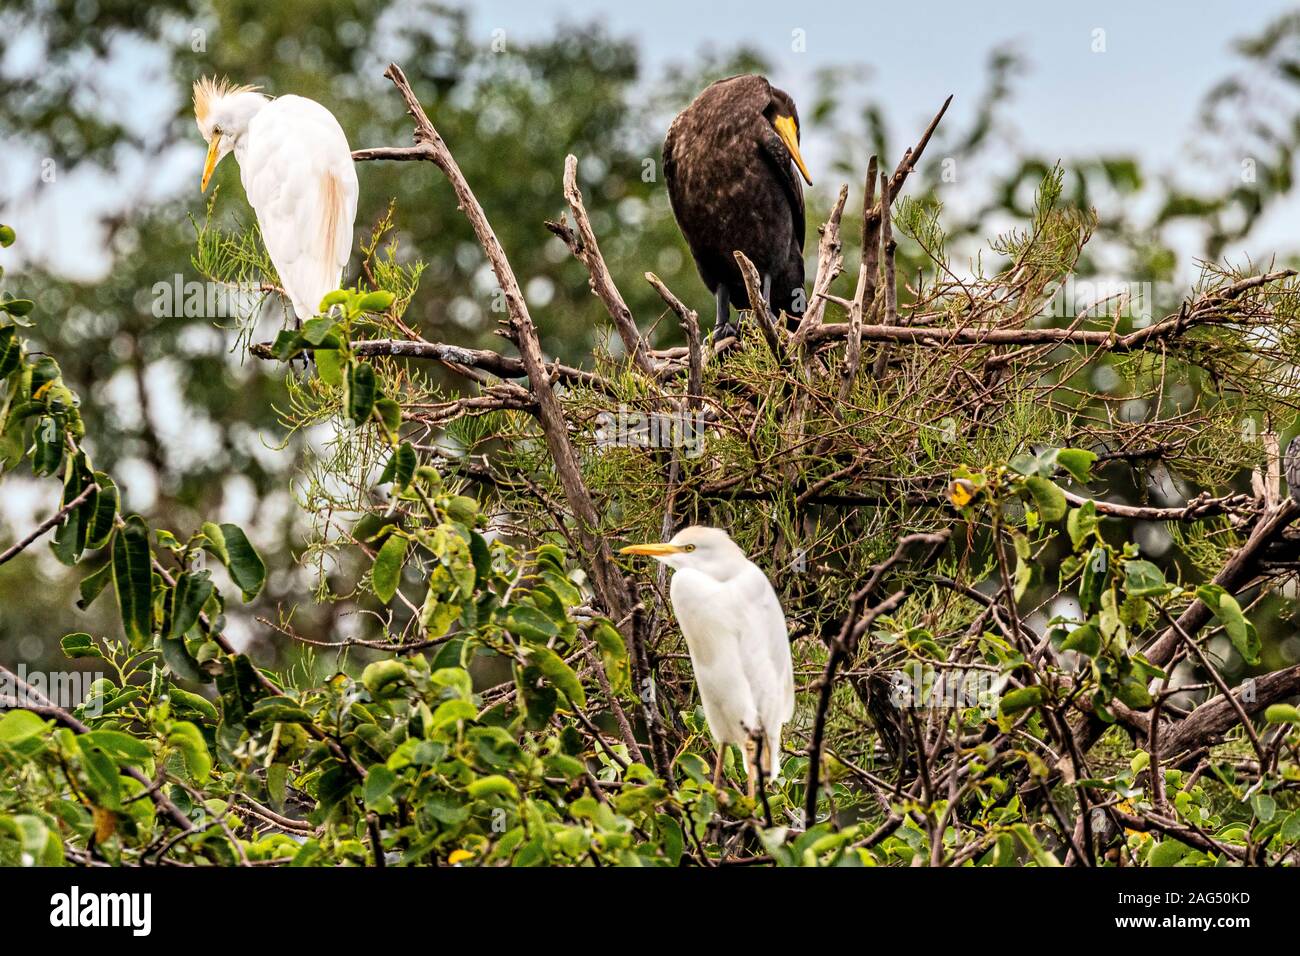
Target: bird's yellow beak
{"points": [[653, 550], [789, 134], [214, 154]]}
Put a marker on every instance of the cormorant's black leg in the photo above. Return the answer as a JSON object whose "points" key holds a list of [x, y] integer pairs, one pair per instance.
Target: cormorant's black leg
{"points": [[722, 327]]}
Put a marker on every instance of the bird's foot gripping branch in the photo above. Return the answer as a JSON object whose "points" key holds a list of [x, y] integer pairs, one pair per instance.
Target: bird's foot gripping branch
{"points": [[986, 668]]}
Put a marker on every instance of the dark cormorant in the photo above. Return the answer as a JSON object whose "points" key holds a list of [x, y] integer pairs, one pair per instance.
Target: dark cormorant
{"points": [[730, 162]]}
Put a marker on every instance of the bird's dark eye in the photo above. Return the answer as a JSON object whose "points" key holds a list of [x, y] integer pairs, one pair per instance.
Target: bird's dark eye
{"points": [[689, 547]]}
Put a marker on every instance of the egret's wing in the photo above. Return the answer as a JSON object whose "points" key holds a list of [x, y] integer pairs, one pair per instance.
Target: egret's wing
{"points": [[766, 650], [712, 618], [301, 183]]}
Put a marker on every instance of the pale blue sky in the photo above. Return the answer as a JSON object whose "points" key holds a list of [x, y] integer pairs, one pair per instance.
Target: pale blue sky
{"points": [[1139, 97]]}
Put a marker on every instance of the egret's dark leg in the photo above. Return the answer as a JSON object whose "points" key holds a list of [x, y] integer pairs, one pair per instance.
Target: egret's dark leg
{"points": [[722, 327], [751, 768]]}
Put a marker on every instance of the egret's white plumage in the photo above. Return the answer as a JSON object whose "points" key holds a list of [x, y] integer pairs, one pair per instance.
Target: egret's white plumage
{"points": [[296, 167], [737, 637]]}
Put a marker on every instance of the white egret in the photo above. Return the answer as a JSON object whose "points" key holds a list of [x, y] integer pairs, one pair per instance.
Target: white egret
{"points": [[738, 640], [296, 167]]}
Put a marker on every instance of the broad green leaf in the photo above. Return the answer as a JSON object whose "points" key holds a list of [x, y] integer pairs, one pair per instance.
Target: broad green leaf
{"points": [[380, 676], [1048, 498], [361, 392], [1282, 714], [184, 698], [1082, 522], [188, 739], [193, 588], [215, 542], [379, 301], [560, 674], [390, 413], [1167, 853], [133, 580], [530, 624], [19, 725], [400, 467], [1144, 579], [387, 572], [1022, 698], [613, 654], [105, 511], [79, 645], [329, 366], [121, 745], [1239, 630], [380, 783], [94, 584], [493, 785], [11, 350], [1085, 639], [246, 567], [1077, 462]]}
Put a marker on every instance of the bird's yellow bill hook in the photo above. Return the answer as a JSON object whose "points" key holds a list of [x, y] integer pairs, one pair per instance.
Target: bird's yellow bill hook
{"points": [[789, 134], [214, 154], [652, 550]]}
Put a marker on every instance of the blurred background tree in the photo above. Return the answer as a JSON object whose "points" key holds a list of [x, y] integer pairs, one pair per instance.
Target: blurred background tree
{"points": [[99, 91]]}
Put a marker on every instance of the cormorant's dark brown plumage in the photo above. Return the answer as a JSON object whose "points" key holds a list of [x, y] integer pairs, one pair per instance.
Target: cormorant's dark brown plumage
{"points": [[730, 163]]}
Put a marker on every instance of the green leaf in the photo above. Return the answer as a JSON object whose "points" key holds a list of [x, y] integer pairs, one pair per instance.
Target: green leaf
{"points": [[1077, 462], [1239, 630], [613, 654], [1022, 698], [1132, 690], [194, 702], [132, 562], [380, 783], [1094, 578], [361, 392], [79, 645], [1086, 639], [400, 467], [1282, 714], [329, 366], [18, 307], [193, 588], [560, 674], [278, 710], [11, 350], [331, 299], [390, 413], [530, 624], [1167, 853], [1264, 805], [387, 572], [1081, 522], [376, 301], [107, 503], [493, 785], [215, 542], [315, 330], [287, 344], [1144, 579], [19, 725], [121, 746], [380, 677], [94, 584], [7, 236], [246, 567], [188, 739], [1048, 498]]}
